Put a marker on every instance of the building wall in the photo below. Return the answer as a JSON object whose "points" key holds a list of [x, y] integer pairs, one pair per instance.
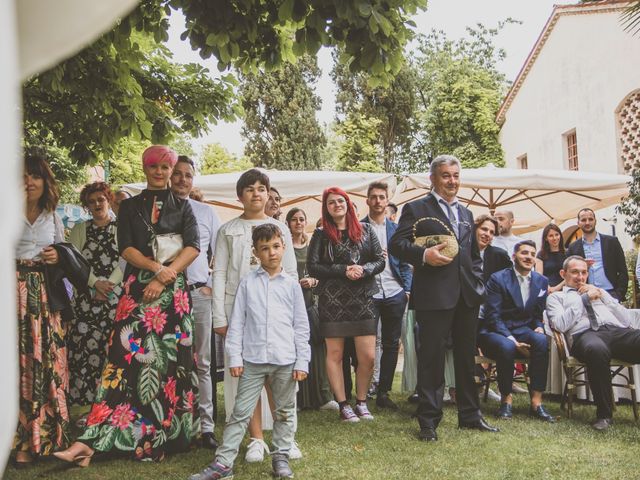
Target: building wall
{"points": [[586, 68]]}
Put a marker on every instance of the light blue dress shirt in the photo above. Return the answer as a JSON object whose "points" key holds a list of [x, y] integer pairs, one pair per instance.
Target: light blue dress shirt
{"points": [[269, 324], [593, 251]]}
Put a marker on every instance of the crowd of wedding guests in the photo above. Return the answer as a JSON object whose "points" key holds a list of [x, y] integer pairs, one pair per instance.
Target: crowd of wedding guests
{"points": [[120, 317]]}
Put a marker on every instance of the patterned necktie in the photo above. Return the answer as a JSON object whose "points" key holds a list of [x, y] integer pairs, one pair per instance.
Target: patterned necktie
{"points": [[591, 314], [451, 215]]}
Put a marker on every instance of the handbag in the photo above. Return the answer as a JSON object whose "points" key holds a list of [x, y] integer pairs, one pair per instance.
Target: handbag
{"points": [[427, 241], [165, 246]]}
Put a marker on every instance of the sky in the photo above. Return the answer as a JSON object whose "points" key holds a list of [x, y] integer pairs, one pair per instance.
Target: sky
{"points": [[450, 16]]}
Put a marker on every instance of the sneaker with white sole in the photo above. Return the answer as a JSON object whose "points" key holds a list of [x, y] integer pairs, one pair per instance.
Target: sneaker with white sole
{"points": [[256, 450], [347, 415], [295, 453], [493, 396], [362, 411], [330, 405]]}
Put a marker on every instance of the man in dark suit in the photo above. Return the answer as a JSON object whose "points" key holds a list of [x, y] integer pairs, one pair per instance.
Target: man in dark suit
{"points": [[604, 255], [512, 326], [446, 294], [394, 286]]}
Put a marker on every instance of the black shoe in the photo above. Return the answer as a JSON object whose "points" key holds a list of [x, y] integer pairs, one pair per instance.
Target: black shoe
{"points": [[209, 441], [413, 398], [541, 414], [602, 424], [428, 434], [505, 412], [383, 401], [280, 465], [479, 424]]}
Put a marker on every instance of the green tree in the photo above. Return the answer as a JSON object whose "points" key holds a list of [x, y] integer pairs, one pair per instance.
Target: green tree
{"points": [[214, 158], [630, 206], [280, 122], [394, 106], [359, 151], [459, 90]]}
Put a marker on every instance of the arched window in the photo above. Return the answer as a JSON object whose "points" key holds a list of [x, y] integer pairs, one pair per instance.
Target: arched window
{"points": [[628, 119]]}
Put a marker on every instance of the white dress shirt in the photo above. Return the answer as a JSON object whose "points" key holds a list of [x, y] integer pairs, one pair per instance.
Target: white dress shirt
{"points": [[506, 243], [567, 313], [268, 323], [208, 225], [388, 286], [47, 229], [453, 204]]}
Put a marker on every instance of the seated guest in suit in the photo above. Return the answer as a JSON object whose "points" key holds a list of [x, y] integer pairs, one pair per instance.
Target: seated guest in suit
{"points": [[597, 328], [604, 255], [512, 326], [494, 258]]}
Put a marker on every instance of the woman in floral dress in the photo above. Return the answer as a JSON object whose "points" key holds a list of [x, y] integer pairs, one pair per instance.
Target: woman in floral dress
{"points": [[43, 425], [94, 311], [145, 403]]}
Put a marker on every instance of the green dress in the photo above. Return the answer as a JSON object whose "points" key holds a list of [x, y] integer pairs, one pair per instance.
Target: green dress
{"points": [[314, 391]]}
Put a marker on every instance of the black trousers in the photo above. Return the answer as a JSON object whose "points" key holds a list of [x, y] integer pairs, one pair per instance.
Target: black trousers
{"points": [[390, 312], [435, 328], [596, 349], [349, 360]]}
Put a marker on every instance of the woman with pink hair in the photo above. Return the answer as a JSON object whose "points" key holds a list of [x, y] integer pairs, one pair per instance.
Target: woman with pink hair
{"points": [[145, 401], [345, 256]]}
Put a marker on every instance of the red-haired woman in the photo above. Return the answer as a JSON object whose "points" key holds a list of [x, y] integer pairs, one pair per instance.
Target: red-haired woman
{"points": [[94, 310], [345, 255], [551, 256]]}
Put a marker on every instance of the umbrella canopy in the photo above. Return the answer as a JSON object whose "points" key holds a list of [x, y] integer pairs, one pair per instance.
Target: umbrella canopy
{"points": [[536, 197], [302, 189]]}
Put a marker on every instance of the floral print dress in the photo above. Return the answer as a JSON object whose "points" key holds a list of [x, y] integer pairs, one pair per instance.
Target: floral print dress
{"points": [[88, 335], [146, 400]]}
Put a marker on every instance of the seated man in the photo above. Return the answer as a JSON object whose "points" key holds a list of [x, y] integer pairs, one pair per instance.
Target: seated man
{"points": [[512, 326], [597, 328]]}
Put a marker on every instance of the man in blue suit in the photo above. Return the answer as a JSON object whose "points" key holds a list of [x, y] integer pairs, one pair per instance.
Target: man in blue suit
{"points": [[512, 326], [394, 286]]}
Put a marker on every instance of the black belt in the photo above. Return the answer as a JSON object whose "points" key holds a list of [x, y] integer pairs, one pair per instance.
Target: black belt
{"points": [[197, 285]]}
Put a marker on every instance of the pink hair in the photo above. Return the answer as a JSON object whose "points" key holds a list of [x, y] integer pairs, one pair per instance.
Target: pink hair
{"points": [[158, 153]]}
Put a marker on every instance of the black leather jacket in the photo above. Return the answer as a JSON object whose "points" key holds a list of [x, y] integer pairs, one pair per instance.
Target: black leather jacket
{"points": [[72, 266], [176, 216], [325, 261]]}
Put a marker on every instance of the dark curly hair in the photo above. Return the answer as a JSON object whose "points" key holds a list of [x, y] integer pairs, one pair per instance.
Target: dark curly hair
{"points": [[91, 188], [37, 165]]}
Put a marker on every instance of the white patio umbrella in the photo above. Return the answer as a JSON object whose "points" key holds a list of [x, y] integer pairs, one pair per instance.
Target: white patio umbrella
{"points": [[536, 197], [302, 189]]}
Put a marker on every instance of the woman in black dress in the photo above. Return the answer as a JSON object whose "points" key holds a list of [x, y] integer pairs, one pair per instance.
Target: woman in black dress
{"points": [[345, 255], [550, 257], [145, 403]]}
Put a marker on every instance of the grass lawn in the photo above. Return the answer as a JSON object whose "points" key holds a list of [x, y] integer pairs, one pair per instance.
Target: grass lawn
{"points": [[387, 449]]}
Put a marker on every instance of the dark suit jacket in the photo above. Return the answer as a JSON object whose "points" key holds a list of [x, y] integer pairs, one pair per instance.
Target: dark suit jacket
{"points": [[615, 266], [402, 271], [505, 310], [439, 288], [494, 260]]}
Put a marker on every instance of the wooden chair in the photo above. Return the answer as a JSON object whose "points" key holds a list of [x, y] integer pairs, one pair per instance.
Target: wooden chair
{"points": [[488, 366], [575, 372]]}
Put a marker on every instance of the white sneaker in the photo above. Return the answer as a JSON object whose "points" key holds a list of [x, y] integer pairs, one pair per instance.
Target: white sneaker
{"points": [[493, 396], [516, 388], [295, 453], [256, 450], [330, 405]]}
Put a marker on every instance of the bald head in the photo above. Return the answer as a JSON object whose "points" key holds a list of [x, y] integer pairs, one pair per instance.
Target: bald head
{"points": [[505, 222]]}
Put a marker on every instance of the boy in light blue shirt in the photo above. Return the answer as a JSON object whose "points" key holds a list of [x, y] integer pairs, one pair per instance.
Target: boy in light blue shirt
{"points": [[267, 341]]}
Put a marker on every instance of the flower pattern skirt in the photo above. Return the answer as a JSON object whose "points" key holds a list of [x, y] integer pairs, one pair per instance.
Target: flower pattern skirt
{"points": [[43, 425], [146, 400]]}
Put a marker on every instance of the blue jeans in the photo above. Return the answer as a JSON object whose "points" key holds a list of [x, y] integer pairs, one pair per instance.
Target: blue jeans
{"points": [[503, 351], [283, 387]]}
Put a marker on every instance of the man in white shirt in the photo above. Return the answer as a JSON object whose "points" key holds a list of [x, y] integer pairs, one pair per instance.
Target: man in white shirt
{"points": [[394, 286], [199, 278], [598, 329], [506, 239]]}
